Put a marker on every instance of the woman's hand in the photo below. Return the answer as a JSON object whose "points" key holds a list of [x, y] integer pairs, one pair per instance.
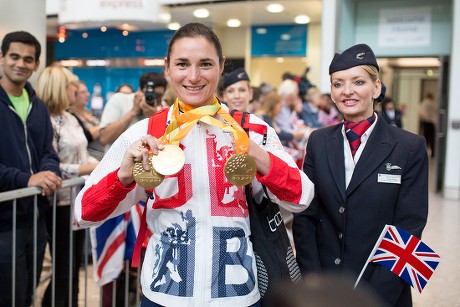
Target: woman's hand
{"points": [[261, 156], [139, 151]]}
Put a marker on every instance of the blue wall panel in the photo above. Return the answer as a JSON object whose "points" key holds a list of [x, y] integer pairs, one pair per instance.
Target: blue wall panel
{"points": [[112, 44]]}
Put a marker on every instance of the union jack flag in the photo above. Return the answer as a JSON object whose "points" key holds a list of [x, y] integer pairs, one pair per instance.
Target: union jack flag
{"points": [[406, 256], [113, 242]]}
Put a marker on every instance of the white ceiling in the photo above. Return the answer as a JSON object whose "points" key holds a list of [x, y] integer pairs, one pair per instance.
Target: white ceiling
{"points": [[250, 12]]}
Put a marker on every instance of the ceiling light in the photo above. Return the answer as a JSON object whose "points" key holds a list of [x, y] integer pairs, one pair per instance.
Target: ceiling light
{"points": [[173, 26], [233, 23], [261, 30], [84, 35], [275, 8], [201, 13], [70, 63], [97, 63], [103, 29], [166, 17], [302, 19], [125, 33], [154, 62], [285, 37]]}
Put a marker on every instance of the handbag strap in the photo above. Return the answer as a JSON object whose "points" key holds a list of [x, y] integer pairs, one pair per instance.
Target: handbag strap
{"points": [[242, 118], [157, 126]]}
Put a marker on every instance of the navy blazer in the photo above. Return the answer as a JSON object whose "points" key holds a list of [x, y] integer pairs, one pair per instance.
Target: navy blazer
{"points": [[340, 228]]}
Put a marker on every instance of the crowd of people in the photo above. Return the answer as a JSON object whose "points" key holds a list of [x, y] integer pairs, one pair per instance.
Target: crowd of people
{"points": [[324, 160]]}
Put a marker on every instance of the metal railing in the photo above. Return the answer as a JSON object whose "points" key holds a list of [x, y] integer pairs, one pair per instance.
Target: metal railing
{"points": [[73, 184]]}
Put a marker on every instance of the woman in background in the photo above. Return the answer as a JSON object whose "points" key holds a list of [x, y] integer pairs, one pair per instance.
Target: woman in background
{"points": [[89, 122], [56, 89]]}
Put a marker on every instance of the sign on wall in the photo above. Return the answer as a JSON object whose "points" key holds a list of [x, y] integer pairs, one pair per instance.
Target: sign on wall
{"points": [[108, 11], [405, 27]]}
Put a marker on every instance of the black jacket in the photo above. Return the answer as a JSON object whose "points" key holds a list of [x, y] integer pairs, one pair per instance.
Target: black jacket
{"points": [[340, 228], [25, 149]]}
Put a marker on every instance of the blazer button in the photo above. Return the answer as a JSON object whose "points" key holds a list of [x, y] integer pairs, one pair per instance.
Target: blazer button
{"points": [[337, 261], [342, 209], [340, 235]]}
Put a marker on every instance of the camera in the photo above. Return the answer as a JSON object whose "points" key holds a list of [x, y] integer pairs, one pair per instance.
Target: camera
{"points": [[151, 97]]}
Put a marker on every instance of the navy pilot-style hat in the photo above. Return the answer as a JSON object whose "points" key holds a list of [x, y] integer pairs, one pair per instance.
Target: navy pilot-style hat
{"points": [[360, 54], [237, 75]]}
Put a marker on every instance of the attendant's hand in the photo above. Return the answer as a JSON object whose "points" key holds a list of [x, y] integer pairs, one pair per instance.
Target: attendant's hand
{"points": [[138, 151], [47, 180]]}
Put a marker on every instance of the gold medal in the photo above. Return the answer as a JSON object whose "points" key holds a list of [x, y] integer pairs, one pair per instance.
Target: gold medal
{"points": [[147, 179], [240, 169], [169, 161]]}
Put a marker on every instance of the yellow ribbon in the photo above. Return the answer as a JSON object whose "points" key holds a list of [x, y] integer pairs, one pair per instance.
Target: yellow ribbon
{"points": [[181, 124]]}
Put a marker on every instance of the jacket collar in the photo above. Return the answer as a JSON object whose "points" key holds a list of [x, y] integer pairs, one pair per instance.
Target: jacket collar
{"points": [[378, 147]]}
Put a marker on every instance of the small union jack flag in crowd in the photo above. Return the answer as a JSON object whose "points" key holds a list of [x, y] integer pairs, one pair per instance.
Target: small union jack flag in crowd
{"points": [[406, 256]]}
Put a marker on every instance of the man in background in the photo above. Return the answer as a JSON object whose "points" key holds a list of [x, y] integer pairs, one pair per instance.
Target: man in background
{"points": [[123, 110], [27, 159], [429, 113]]}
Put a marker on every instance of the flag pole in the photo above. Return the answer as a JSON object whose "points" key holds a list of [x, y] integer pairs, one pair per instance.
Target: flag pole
{"points": [[382, 234]]}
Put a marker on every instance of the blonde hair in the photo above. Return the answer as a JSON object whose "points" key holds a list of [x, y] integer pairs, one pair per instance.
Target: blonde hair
{"points": [[269, 102], [372, 71], [51, 88]]}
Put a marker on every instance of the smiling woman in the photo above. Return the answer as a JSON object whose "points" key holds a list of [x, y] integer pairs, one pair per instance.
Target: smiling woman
{"points": [[201, 253], [193, 72], [354, 200]]}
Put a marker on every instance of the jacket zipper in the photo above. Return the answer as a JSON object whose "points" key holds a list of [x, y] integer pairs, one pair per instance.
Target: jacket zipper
{"points": [[24, 124]]}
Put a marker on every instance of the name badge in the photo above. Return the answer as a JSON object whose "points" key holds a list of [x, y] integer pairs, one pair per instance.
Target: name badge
{"points": [[387, 178]]}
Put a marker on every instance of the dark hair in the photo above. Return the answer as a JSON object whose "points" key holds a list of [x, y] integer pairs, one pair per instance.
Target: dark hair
{"points": [[387, 100], [157, 79], [124, 85], [21, 37], [195, 30], [256, 93]]}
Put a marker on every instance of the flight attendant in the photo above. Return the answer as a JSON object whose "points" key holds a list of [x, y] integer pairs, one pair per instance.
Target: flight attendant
{"points": [[366, 174]]}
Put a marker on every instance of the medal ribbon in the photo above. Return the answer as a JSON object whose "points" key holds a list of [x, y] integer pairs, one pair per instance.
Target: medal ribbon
{"points": [[181, 124], [231, 125]]}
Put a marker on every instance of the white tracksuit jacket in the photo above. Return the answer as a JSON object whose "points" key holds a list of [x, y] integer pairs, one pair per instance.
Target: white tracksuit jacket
{"points": [[200, 253]]}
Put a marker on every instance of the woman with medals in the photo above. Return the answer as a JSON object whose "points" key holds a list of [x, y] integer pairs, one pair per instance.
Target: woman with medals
{"points": [[194, 176]]}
